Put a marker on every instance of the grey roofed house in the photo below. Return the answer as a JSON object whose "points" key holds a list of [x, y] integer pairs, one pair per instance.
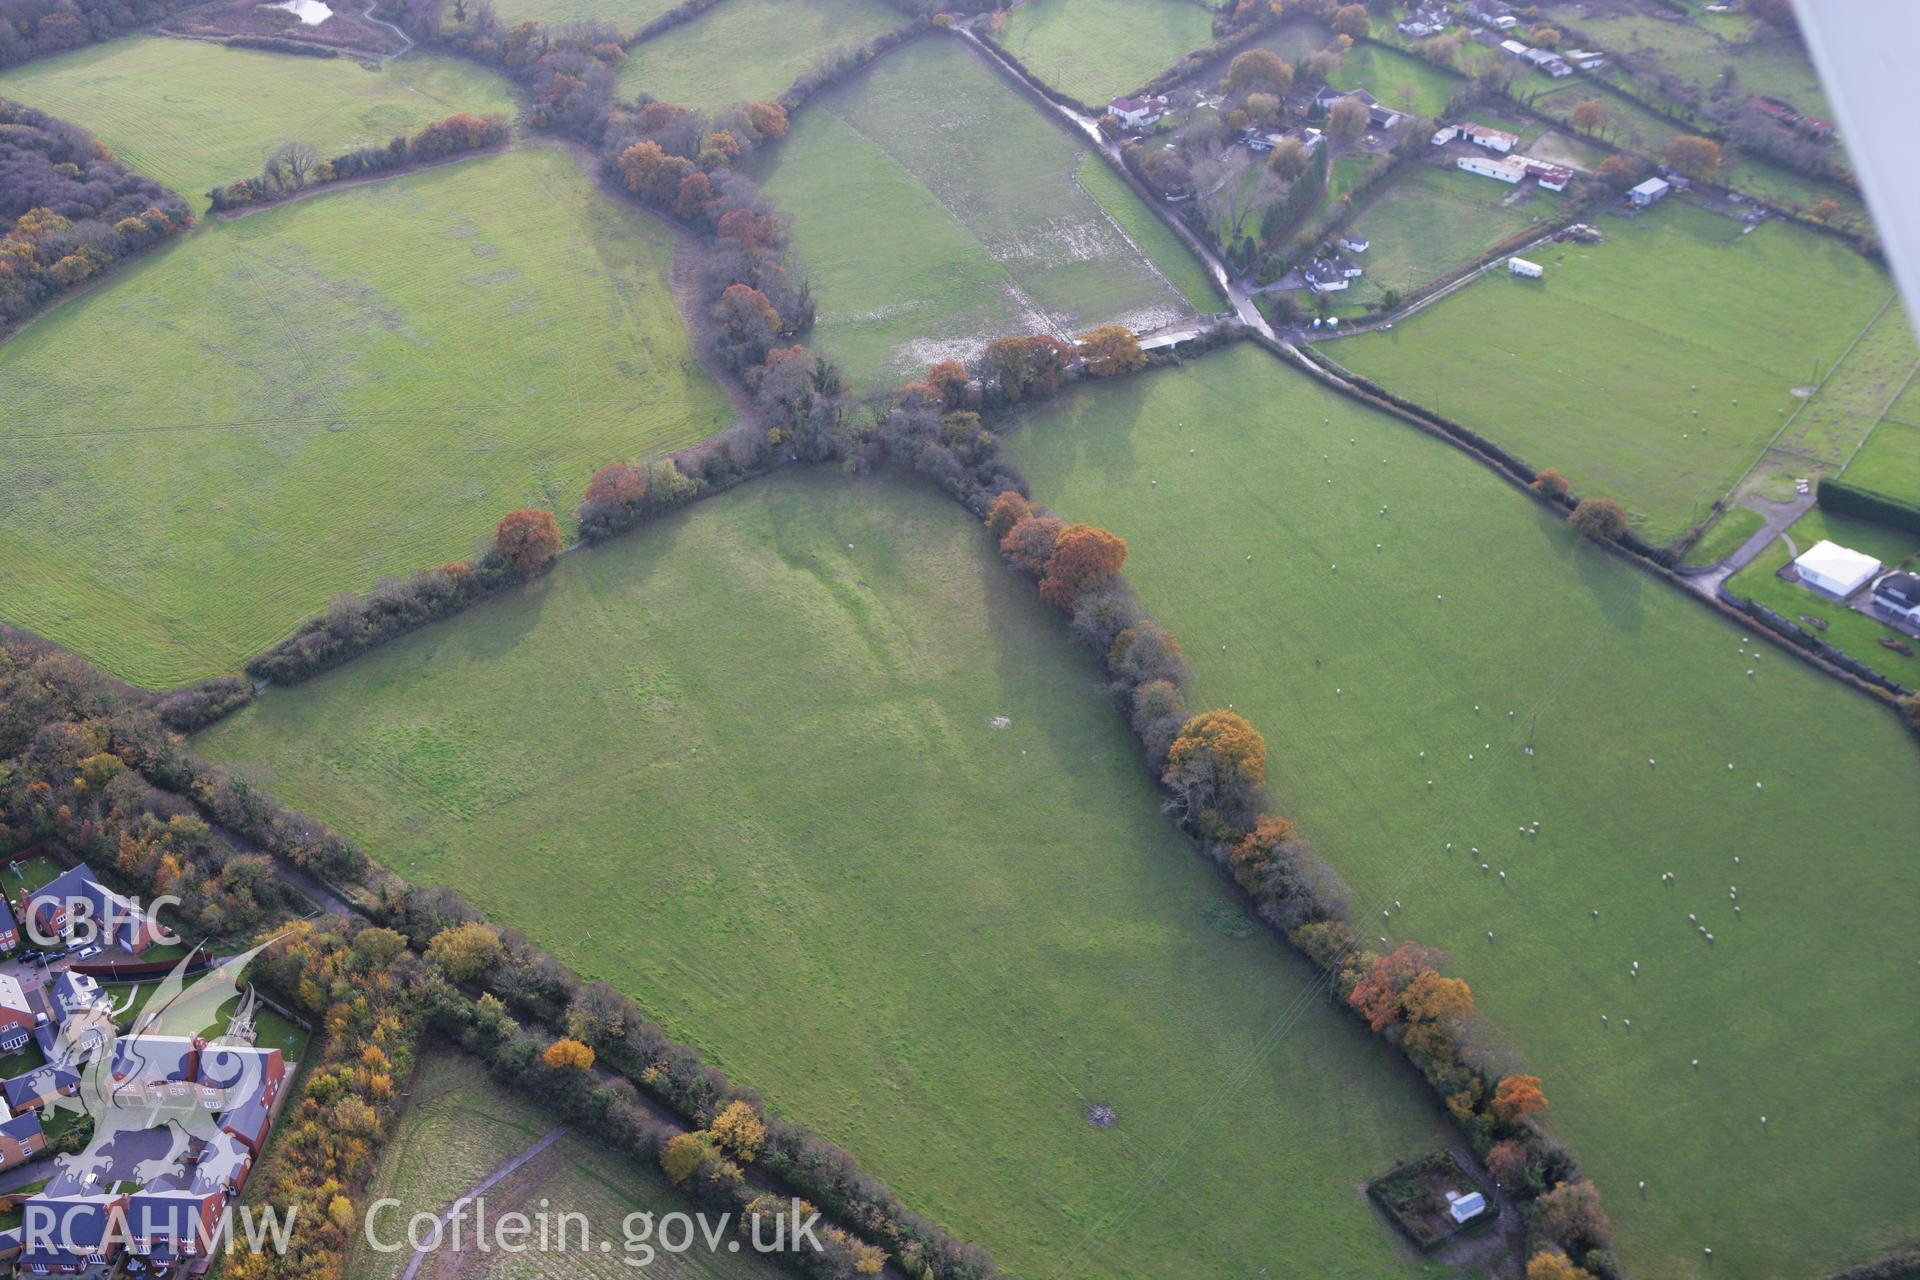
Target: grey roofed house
{"points": [[176, 1221], [73, 992], [21, 1127], [30, 1088], [154, 1059], [1899, 592], [222, 1164], [51, 1222], [249, 1121]]}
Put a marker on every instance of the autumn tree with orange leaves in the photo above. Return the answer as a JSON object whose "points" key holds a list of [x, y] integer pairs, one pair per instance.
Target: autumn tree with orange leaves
{"points": [[1029, 544], [1377, 996], [1008, 510], [566, 1053], [1082, 555], [1013, 369], [1111, 349], [1217, 766], [528, 539], [651, 173], [1517, 1097], [951, 383]]}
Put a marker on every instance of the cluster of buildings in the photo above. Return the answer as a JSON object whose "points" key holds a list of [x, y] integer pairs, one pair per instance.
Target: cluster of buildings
{"points": [[147, 1196], [1500, 164], [1840, 572]]}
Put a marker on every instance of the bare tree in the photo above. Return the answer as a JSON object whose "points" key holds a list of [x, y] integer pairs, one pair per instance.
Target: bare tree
{"points": [[291, 165], [1231, 191]]}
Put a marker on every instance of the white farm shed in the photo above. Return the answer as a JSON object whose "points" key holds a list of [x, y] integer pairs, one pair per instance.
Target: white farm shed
{"points": [[1521, 267], [1465, 1208], [1837, 570]]}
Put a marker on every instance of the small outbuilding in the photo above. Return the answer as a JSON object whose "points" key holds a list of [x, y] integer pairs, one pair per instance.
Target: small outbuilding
{"points": [[1465, 1208], [1521, 267], [1649, 191], [1836, 570]]}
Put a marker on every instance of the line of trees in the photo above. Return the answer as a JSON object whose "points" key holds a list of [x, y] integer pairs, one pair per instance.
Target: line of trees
{"points": [[69, 209], [295, 166], [35, 28], [1211, 766], [86, 762], [524, 544]]}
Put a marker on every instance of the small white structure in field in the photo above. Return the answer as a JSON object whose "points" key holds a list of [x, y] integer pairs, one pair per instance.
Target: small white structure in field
{"points": [[1465, 1208], [1649, 191], [1839, 571], [1521, 267]]}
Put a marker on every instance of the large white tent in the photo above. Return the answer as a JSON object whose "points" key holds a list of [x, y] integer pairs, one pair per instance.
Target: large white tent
{"points": [[1835, 569]]}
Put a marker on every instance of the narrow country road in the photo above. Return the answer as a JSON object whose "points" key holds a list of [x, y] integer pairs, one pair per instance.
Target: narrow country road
{"points": [[1778, 516], [1243, 307]]}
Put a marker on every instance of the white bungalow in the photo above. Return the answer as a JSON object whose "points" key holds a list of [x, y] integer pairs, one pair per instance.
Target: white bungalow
{"points": [[1836, 570], [1488, 167]]}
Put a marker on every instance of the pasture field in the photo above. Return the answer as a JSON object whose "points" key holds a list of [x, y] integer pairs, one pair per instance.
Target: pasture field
{"points": [[815, 777], [1854, 634], [1889, 462], [194, 115], [297, 403], [1098, 49], [628, 16], [460, 1126], [1479, 623], [1634, 128], [936, 208], [749, 50], [1762, 61], [1435, 219], [1398, 80], [1144, 227], [1724, 536], [1592, 369], [1857, 394]]}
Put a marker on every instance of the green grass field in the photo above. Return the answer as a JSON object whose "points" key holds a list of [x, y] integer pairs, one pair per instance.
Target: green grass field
{"points": [[1724, 536], [458, 1128], [271, 411], [1592, 369], [745, 764], [749, 50], [936, 208], [1857, 394], [1154, 238], [626, 15], [1875, 393], [1889, 462], [1367, 685], [1398, 80], [1099, 49], [1854, 634], [195, 115], [1436, 219]]}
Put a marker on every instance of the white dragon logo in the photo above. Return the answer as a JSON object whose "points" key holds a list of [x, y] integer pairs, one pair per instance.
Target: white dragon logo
{"points": [[121, 1075]]}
